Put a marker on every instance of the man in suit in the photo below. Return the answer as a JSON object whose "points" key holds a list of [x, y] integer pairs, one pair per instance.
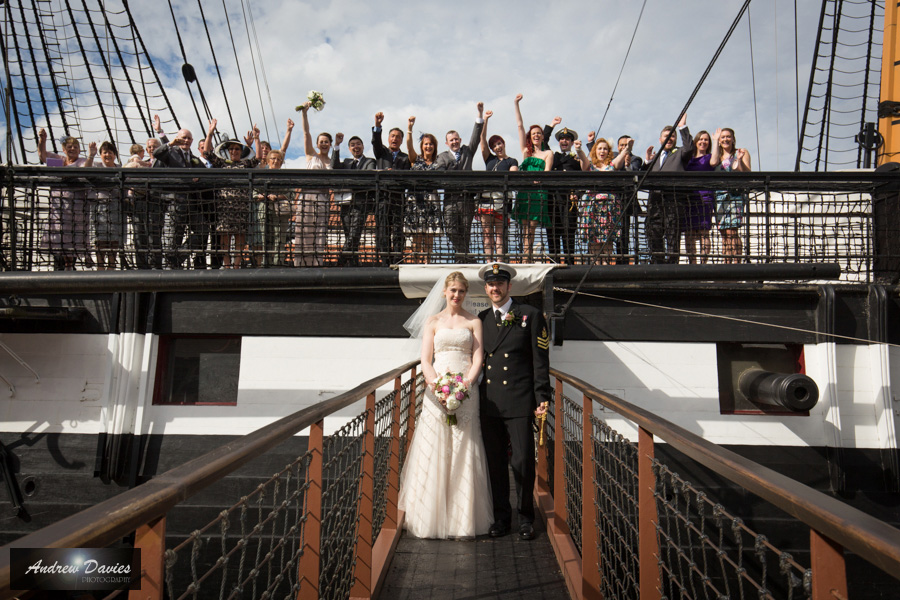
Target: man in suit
{"points": [[459, 209], [663, 223], [177, 155], [563, 206], [389, 242], [515, 381], [355, 206]]}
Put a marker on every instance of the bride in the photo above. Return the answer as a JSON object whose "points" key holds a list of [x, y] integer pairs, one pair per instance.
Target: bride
{"points": [[444, 487]]}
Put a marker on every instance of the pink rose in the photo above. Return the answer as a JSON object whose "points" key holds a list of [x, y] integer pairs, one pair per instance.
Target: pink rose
{"points": [[460, 396], [446, 389], [459, 377]]}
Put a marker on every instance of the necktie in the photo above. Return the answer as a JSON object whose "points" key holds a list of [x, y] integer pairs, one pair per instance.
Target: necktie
{"points": [[355, 163], [497, 316], [457, 153]]}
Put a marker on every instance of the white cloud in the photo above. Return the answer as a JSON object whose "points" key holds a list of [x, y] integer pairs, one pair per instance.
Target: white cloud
{"points": [[437, 60]]}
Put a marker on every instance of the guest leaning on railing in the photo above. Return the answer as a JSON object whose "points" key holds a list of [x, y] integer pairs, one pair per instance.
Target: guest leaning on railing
{"points": [[600, 213], [730, 206], [493, 206], [233, 208], [260, 242], [277, 219], [66, 234], [699, 206], [109, 230], [422, 210]]}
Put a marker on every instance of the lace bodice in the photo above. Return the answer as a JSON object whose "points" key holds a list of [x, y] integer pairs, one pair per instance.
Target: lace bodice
{"points": [[453, 340]]}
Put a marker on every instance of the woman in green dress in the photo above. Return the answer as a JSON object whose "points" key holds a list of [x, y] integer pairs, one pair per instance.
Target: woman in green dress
{"points": [[531, 207]]}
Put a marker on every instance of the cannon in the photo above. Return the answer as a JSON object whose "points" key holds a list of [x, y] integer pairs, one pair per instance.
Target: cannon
{"points": [[792, 391]]}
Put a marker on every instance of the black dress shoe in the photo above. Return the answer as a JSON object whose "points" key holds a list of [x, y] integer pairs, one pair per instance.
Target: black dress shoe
{"points": [[526, 531], [498, 530]]}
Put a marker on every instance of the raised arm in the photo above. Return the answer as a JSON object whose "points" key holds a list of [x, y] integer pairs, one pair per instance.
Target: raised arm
{"points": [[42, 146], [620, 161], [583, 159], [336, 151], [475, 140], [309, 149], [255, 140], [485, 151], [92, 152], [522, 135], [410, 147], [287, 137], [209, 133]]}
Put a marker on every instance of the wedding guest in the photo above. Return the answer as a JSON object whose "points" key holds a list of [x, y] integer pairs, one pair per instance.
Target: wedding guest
{"points": [[258, 210], [176, 225], [109, 231], [698, 210], [459, 208], [422, 211], [141, 210], [601, 212], [233, 207], [311, 211], [531, 207], [137, 156], [493, 206], [277, 218], [67, 220], [730, 205], [389, 242], [663, 222], [202, 221], [563, 206], [356, 206]]}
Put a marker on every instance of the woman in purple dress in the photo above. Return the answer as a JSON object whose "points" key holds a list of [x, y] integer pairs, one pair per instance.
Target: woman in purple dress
{"points": [[700, 207]]}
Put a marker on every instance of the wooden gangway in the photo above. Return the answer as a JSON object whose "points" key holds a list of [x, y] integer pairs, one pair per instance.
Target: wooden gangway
{"points": [[620, 521]]}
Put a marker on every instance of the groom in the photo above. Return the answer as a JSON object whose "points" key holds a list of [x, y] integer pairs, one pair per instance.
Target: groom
{"points": [[516, 378]]}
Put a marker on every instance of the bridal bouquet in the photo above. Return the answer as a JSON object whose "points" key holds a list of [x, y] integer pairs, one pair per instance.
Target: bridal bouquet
{"points": [[316, 101], [452, 390]]}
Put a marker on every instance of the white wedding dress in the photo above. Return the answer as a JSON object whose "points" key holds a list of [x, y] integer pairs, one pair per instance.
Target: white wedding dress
{"points": [[444, 488]]}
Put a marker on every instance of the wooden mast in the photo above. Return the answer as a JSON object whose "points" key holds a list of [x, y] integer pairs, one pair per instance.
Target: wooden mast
{"points": [[889, 125]]}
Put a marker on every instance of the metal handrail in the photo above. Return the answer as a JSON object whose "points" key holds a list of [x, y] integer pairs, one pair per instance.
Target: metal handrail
{"points": [[868, 537], [108, 521]]}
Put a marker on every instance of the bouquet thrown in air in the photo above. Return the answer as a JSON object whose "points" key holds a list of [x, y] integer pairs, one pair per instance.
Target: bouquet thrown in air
{"points": [[316, 101], [452, 391]]}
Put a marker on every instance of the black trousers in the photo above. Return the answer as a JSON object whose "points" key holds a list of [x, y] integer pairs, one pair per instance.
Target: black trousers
{"points": [[663, 228], [458, 214], [563, 224], [353, 222], [389, 242], [499, 436]]}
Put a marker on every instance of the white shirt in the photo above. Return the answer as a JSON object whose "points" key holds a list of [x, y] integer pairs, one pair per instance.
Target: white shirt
{"points": [[503, 309]]}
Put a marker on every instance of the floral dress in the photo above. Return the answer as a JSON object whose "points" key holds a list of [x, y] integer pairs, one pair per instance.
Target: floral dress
{"points": [[600, 215], [729, 205], [233, 210], [422, 211]]}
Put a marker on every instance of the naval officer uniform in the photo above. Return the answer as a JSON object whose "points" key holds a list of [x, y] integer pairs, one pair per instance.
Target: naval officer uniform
{"points": [[515, 379]]}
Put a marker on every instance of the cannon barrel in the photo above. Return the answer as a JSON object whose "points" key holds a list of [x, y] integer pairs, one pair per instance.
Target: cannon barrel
{"points": [[792, 391]]}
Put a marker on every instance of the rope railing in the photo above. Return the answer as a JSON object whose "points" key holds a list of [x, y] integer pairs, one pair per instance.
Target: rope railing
{"points": [[324, 526], [625, 524], [190, 219]]}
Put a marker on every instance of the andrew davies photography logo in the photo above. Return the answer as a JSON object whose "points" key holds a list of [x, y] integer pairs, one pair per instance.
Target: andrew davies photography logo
{"points": [[75, 568]]}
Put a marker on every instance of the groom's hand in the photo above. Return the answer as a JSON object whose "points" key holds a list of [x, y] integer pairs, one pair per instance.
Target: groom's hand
{"points": [[541, 409]]}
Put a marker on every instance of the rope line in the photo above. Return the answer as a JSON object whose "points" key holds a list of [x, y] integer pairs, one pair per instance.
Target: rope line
{"points": [[238, 63], [262, 105], [212, 51], [621, 70], [726, 318]]}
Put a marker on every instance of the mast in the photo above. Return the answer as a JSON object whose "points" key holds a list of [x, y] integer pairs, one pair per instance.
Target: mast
{"points": [[889, 107]]}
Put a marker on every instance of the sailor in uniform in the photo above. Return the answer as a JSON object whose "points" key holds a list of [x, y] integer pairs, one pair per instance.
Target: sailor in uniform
{"points": [[515, 380]]}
